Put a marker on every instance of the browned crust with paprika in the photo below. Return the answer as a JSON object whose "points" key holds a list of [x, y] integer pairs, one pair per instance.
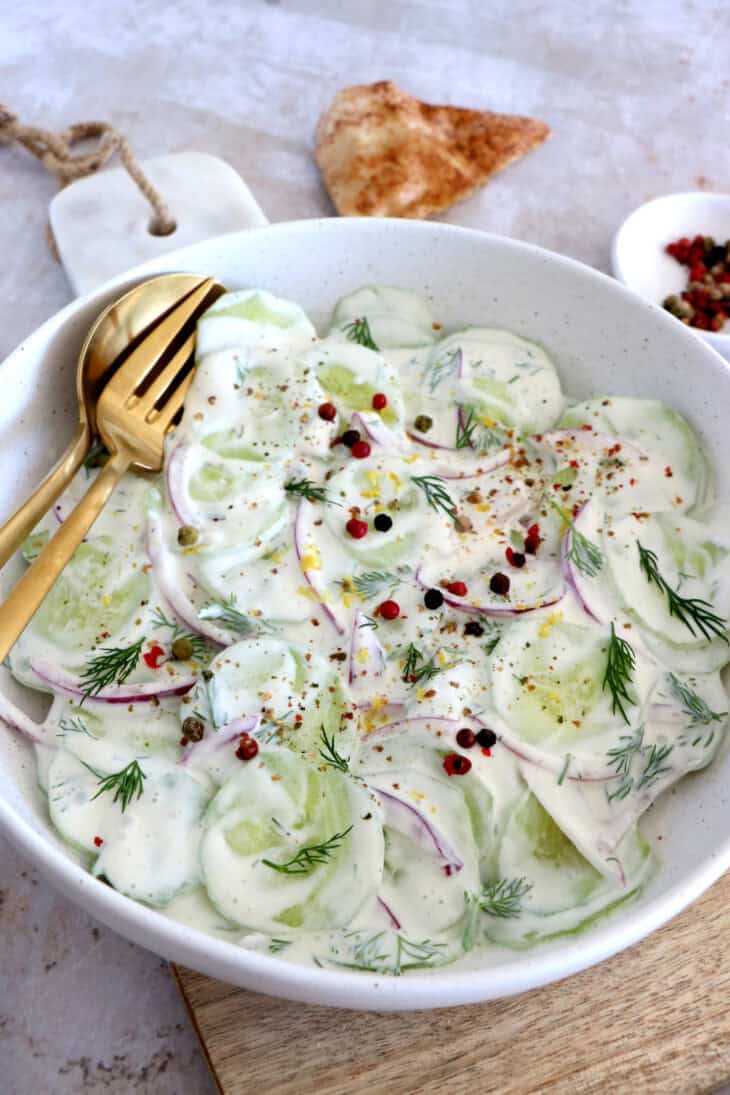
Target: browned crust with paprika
{"points": [[384, 153]]}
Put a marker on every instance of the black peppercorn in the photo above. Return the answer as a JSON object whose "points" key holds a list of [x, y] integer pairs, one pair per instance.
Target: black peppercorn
{"points": [[350, 438], [486, 738], [499, 583], [473, 627], [383, 523], [433, 598]]}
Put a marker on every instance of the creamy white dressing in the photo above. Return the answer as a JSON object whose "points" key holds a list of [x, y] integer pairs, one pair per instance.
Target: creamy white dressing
{"points": [[362, 835]]}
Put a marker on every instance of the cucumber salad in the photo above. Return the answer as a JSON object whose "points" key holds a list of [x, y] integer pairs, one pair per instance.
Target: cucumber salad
{"points": [[389, 662]]}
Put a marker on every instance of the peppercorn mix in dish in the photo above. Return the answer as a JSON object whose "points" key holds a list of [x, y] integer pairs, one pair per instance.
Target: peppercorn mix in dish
{"points": [[389, 662]]}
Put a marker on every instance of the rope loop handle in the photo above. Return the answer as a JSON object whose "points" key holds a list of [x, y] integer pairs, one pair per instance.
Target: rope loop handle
{"points": [[54, 150]]}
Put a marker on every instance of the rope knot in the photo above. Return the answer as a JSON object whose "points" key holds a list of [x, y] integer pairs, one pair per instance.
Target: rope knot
{"points": [[8, 125], [54, 150]]}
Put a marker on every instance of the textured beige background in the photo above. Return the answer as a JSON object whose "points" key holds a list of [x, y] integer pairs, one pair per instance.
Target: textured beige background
{"points": [[638, 95]]}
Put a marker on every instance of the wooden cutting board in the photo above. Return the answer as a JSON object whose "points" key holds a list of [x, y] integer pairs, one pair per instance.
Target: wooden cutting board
{"points": [[655, 1019]]}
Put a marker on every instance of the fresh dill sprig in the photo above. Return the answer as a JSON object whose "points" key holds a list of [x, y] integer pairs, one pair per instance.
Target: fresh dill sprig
{"points": [[655, 766], [329, 753], [417, 668], [413, 657], [694, 706], [472, 433], [583, 554], [436, 494], [112, 665], [374, 582], [465, 430], [224, 611], [197, 642], [564, 769], [391, 952], [622, 756], [74, 726], [359, 331], [444, 365], [276, 945], [620, 665], [305, 488], [693, 612], [309, 857], [503, 898], [368, 621], [126, 784]]}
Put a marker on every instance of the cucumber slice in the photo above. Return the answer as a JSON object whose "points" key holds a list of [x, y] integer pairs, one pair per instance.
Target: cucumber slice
{"points": [[272, 810], [661, 431], [99, 592], [252, 317], [396, 318], [150, 852], [510, 380], [351, 375], [547, 678], [294, 694], [694, 563], [566, 894]]}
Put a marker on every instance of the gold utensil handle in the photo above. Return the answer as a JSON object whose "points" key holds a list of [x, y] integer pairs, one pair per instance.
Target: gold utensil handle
{"points": [[25, 599], [25, 519]]}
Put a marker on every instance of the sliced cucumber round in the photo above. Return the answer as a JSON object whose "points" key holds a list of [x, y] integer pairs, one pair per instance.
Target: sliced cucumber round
{"points": [[661, 431], [510, 381], [546, 888], [395, 317], [287, 846], [251, 317]]}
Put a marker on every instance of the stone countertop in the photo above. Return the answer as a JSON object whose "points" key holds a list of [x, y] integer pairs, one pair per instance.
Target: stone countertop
{"points": [[637, 95]]}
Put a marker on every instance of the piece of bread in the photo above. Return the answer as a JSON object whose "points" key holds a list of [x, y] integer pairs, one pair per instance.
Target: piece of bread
{"points": [[383, 153]]}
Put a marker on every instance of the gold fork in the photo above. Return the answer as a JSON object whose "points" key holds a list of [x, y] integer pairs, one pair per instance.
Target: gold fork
{"points": [[132, 420]]}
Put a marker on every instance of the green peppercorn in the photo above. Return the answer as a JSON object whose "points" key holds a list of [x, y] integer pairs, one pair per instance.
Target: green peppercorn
{"points": [[423, 423], [192, 728], [182, 649], [187, 536]]}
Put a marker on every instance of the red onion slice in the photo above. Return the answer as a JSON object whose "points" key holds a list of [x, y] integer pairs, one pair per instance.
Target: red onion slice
{"points": [[304, 530], [216, 739], [175, 480], [373, 427], [579, 770], [363, 638], [497, 612], [171, 590], [143, 692], [16, 719], [580, 585], [425, 723], [409, 820], [392, 918]]}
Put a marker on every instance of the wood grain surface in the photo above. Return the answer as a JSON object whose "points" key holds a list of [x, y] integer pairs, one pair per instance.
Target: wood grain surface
{"points": [[654, 1019]]}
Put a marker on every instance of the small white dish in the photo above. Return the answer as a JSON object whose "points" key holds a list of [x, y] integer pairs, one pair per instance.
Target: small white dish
{"points": [[638, 257]]}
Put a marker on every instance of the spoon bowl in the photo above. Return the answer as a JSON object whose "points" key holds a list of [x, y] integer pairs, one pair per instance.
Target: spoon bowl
{"points": [[113, 336]]}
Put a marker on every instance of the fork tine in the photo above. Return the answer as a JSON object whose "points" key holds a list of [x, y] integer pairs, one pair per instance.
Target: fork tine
{"points": [[145, 404], [146, 357], [167, 412]]}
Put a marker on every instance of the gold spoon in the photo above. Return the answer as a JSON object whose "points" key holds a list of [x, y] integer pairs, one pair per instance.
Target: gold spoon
{"points": [[117, 328], [137, 406]]}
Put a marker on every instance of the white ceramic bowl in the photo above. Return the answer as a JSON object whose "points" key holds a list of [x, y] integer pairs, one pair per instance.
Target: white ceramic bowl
{"points": [[638, 257], [603, 338]]}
